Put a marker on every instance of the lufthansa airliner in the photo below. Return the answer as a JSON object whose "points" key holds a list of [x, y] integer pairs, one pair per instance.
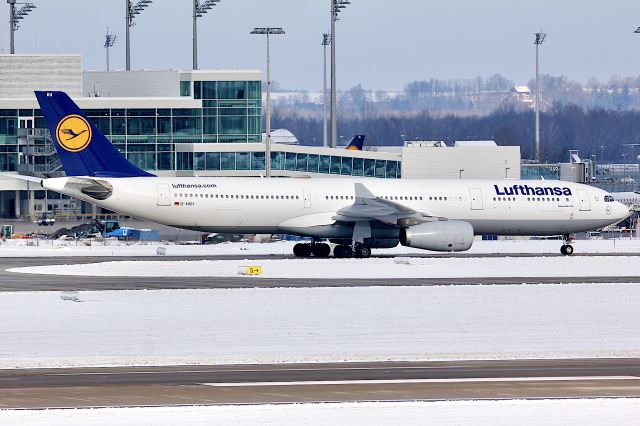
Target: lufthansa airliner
{"points": [[356, 214]]}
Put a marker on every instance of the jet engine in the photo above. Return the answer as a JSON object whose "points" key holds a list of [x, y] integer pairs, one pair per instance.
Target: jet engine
{"points": [[447, 235]]}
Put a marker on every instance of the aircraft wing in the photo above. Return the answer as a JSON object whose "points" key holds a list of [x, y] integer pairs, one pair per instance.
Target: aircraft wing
{"points": [[368, 207]]}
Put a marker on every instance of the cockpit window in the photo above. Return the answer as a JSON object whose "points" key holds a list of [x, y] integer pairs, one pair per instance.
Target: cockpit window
{"points": [[608, 199]]}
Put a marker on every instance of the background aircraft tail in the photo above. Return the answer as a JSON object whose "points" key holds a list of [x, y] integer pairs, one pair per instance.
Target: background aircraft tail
{"points": [[356, 143], [83, 149]]}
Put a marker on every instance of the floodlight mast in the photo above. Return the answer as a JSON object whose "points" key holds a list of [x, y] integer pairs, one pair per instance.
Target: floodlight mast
{"points": [[110, 40], [540, 38], [326, 41], [336, 7], [199, 9], [14, 20], [267, 151], [131, 12]]}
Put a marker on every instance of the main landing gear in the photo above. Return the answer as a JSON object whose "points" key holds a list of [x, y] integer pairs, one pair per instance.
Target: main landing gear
{"points": [[567, 248], [358, 250], [315, 249], [341, 251]]}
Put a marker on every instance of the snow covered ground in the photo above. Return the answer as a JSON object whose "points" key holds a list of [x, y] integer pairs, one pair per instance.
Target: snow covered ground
{"points": [[399, 267], [319, 324], [578, 412], [19, 248]]}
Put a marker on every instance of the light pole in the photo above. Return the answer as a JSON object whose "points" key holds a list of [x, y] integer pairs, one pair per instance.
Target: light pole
{"points": [[336, 7], [131, 12], [540, 38], [199, 9], [110, 40], [14, 20], [267, 154], [326, 41]]}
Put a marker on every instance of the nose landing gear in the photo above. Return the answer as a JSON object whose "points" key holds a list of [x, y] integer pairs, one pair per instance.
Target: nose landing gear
{"points": [[567, 248]]}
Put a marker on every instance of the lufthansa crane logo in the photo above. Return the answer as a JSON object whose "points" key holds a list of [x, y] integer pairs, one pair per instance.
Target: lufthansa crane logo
{"points": [[73, 133]]}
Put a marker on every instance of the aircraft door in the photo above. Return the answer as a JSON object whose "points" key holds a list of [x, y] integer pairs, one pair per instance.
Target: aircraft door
{"points": [[583, 196], [306, 195], [163, 194], [476, 198]]}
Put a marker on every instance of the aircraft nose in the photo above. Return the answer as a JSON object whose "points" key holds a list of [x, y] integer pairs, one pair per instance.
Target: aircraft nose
{"points": [[620, 210]]}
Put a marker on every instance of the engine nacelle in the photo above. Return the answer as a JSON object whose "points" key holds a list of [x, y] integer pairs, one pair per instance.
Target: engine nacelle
{"points": [[447, 235]]}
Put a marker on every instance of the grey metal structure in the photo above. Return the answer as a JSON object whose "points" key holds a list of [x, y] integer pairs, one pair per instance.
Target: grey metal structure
{"points": [[131, 12], [14, 19], [199, 9], [540, 38], [268, 31], [326, 41], [110, 40], [336, 7]]}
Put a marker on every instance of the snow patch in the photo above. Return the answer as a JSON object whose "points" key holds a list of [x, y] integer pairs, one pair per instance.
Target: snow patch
{"points": [[436, 267], [163, 327], [566, 412]]}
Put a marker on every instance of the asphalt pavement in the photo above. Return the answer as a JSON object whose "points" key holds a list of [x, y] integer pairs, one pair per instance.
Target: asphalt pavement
{"points": [[335, 382]]}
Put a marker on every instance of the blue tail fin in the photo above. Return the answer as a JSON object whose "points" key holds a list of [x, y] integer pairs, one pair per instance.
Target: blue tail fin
{"points": [[356, 143], [83, 149]]}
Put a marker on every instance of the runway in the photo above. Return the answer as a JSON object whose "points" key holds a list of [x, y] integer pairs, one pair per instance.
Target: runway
{"points": [[342, 382], [30, 282]]}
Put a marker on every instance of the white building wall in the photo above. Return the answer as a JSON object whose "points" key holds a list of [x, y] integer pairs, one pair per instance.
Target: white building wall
{"points": [[162, 83], [481, 162], [21, 75]]}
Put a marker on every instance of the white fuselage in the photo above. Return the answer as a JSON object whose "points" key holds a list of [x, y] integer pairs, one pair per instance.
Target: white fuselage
{"points": [[306, 207]]}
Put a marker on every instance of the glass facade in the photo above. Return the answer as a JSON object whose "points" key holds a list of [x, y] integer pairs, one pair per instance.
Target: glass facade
{"points": [[151, 137], [289, 161], [540, 171], [231, 112]]}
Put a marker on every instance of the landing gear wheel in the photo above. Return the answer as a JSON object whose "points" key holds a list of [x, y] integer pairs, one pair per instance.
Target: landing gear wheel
{"points": [[362, 251], [566, 249], [321, 250], [343, 251], [302, 250]]}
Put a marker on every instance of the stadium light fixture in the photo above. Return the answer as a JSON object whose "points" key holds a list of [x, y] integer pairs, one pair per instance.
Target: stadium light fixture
{"points": [[336, 7], [110, 40], [540, 38], [267, 154], [15, 16], [132, 11], [199, 9]]}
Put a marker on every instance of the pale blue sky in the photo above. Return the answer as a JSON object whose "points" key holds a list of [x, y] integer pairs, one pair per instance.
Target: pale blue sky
{"points": [[381, 44]]}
